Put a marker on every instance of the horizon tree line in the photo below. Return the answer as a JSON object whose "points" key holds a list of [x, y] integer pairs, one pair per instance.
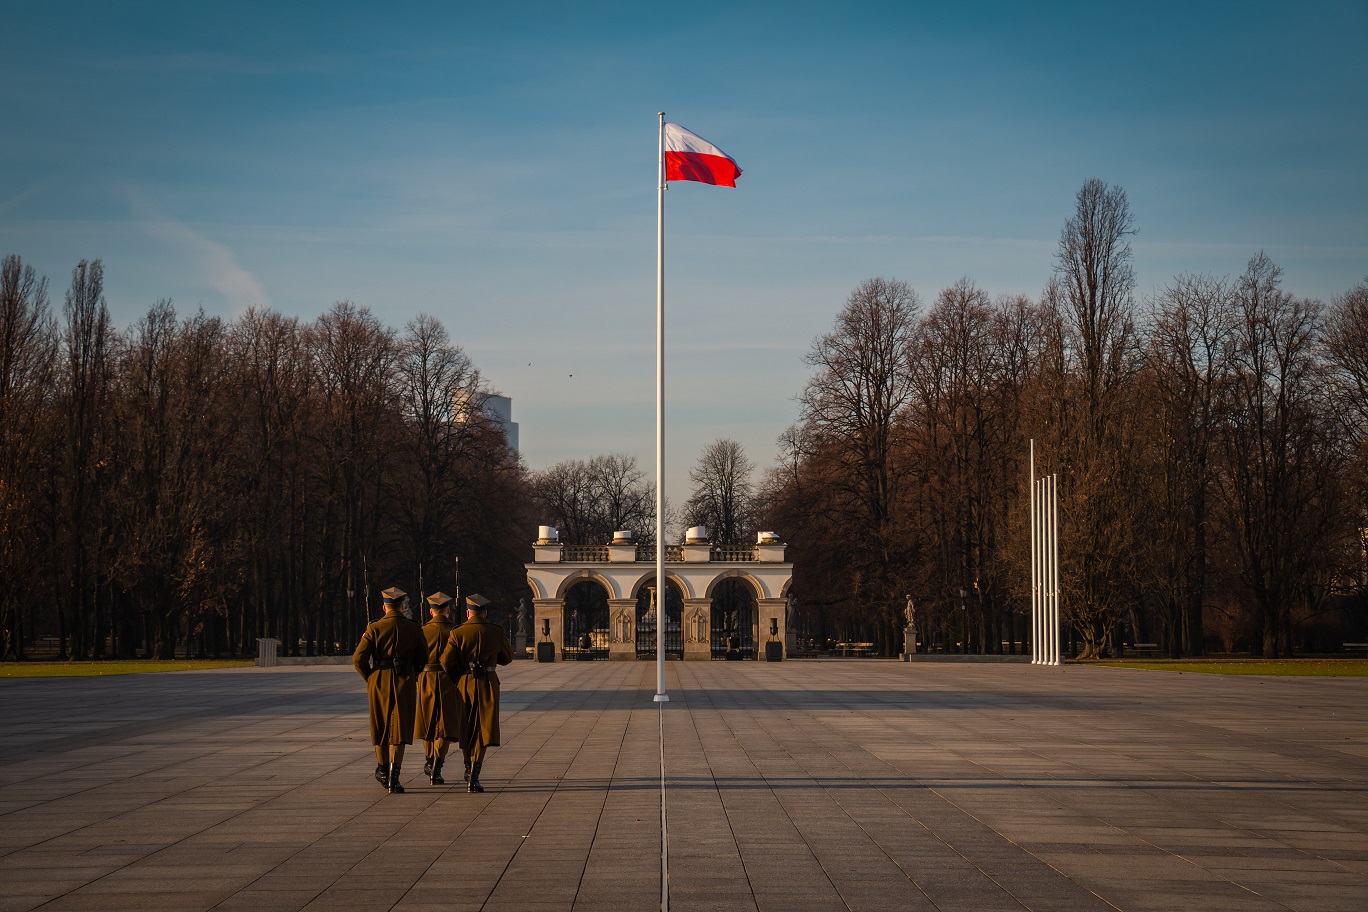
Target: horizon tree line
{"points": [[191, 484], [1209, 444], [199, 482]]}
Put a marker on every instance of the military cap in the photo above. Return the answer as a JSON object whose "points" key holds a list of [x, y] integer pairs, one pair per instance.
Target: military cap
{"points": [[438, 599], [477, 601], [394, 594]]}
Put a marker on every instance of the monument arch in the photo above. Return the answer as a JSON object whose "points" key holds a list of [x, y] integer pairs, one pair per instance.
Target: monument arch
{"points": [[622, 568]]}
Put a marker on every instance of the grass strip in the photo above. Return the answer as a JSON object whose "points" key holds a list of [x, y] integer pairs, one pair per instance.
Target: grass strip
{"points": [[1276, 667], [84, 669]]}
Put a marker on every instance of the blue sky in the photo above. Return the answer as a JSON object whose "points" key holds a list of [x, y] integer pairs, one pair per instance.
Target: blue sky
{"points": [[495, 167]]}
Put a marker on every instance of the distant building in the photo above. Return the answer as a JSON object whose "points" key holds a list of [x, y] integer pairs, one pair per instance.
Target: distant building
{"points": [[498, 409]]}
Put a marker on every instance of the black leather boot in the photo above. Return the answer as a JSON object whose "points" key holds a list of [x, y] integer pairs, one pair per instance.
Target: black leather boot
{"points": [[437, 772], [467, 772], [427, 767], [382, 775], [394, 786], [474, 784]]}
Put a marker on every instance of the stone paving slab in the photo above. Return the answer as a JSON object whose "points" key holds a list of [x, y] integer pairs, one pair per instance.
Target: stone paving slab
{"points": [[806, 785]]}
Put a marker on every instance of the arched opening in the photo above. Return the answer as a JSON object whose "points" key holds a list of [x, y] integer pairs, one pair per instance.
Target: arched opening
{"points": [[733, 620], [586, 622], [646, 621]]}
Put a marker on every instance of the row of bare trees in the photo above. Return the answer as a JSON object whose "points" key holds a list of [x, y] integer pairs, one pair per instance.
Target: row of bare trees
{"points": [[1209, 445], [194, 484], [198, 483]]}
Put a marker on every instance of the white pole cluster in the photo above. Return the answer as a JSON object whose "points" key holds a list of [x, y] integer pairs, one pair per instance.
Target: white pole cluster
{"points": [[1044, 567]]}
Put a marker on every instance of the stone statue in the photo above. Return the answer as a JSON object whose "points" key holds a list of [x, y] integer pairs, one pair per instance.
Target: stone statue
{"points": [[910, 634]]}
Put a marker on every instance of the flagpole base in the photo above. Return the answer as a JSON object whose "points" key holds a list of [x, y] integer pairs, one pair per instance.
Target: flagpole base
{"points": [[662, 698]]}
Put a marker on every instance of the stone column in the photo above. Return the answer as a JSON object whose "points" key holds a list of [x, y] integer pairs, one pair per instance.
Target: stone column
{"points": [[551, 610], [622, 629], [696, 621], [766, 609]]}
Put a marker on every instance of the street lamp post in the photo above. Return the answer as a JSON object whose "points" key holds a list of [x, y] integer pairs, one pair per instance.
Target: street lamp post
{"points": [[964, 623]]}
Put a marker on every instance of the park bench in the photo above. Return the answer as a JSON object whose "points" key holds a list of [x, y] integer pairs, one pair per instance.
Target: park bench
{"points": [[1146, 649], [1356, 646]]}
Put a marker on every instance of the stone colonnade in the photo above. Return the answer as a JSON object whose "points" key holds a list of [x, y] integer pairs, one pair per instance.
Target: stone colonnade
{"points": [[697, 569]]}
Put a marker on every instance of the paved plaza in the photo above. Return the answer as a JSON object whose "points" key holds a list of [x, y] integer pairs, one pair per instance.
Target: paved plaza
{"points": [[841, 784]]}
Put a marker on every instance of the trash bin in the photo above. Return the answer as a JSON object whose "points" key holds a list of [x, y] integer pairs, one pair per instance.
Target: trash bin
{"points": [[546, 652], [268, 652], [774, 652]]}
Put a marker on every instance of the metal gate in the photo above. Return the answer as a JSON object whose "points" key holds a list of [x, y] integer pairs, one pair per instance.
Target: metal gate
{"points": [[586, 623], [646, 623], [733, 621]]}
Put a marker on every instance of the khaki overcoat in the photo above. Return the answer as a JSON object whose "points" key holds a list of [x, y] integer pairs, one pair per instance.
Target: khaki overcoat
{"points": [[390, 694], [439, 709], [477, 641]]}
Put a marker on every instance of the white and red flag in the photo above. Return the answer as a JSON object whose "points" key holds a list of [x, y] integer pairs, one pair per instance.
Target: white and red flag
{"points": [[690, 157]]}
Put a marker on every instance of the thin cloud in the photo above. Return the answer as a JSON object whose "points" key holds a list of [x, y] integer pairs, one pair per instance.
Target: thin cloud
{"points": [[209, 62], [215, 260], [6, 205]]}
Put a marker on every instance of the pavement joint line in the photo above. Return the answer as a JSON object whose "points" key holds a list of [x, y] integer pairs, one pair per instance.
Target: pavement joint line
{"points": [[556, 789], [192, 835], [55, 745], [374, 803], [761, 774], [1130, 783], [959, 723], [175, 762], [612, 776], [1083, 775], [833, 796], [731, 830], [1096, 790]]}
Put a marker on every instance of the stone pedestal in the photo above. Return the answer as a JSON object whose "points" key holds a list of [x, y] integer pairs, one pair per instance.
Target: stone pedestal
{"points": [[696, 629], [622, 629], [909, 643], [767, 610], [549, 611]]}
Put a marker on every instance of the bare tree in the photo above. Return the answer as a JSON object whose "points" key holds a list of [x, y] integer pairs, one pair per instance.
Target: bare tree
{"points": [[1090, 426], [1347, 337], [85, 386], [722, 493], [353, 357], [853, 408], [590, 500], [270, 379], [28, 341], [1283, 467], [173, 546], [970, 367], [1096, 284], [441, 397], [1188, 372]]}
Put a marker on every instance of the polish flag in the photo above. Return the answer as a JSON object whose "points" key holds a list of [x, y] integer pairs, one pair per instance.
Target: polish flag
{"points": [[690, 157]]}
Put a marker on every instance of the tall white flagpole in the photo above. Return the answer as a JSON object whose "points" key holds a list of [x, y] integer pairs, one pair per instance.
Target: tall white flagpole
{"points": [[661, 613]]}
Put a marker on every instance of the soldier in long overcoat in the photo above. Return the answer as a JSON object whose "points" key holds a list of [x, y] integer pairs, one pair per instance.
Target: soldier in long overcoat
{"points": [[472, 651], [390, 653], [439, 710]]}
